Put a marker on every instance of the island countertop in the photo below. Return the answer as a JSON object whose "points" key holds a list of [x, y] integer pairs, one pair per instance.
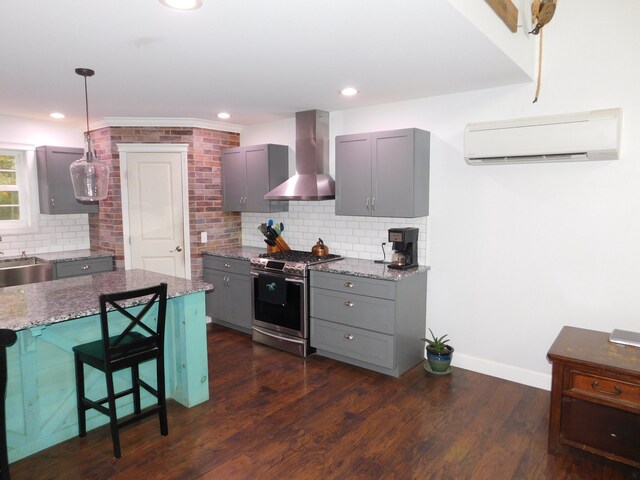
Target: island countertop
{"points": [[37, 304]]}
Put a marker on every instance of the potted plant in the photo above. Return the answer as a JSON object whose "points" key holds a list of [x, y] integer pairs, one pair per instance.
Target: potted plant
{"points": [[438, 354]]}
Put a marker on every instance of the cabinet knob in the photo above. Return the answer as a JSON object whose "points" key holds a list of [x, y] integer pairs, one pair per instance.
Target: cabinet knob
{"points": [[348, 285], [85, 267], [227, 265], [348, 336], [348, 303]]}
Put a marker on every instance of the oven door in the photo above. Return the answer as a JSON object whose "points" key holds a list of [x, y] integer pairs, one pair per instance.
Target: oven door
{"points": [[280, 303]]}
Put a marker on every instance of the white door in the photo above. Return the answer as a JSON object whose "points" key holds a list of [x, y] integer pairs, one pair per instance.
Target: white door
{"points": [[156, 228]]}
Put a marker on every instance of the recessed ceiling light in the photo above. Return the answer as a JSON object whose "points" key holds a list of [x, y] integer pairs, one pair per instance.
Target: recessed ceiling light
{"points": [[224, 115], [348, 92], [56, 115], [182, 4]]}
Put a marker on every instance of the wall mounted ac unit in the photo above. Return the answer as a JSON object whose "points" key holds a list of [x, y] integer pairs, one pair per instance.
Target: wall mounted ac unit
{"points": [[559, 138]]}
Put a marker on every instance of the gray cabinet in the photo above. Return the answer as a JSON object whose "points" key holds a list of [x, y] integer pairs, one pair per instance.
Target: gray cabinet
{"points": [[87, 266], [54, 181], [249, 173], [383, 174], [230, 302], [375, 324]]}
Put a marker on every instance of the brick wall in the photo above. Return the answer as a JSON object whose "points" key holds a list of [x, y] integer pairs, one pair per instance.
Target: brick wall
{"points": [[205, 191]]}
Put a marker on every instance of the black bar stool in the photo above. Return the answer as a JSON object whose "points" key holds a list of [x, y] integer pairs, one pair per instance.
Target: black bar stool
{"points": [[7, 338], [138, 342]]}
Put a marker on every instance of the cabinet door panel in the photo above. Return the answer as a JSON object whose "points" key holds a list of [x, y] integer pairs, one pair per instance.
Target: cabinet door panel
{"points": [[257, 179], [353, 175], [54, 181], [392, 173], [239, 300], [215, 300], [233, 180]]}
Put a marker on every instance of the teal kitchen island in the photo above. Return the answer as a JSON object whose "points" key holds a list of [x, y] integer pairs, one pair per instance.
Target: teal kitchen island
{"points": [[50, 318]]}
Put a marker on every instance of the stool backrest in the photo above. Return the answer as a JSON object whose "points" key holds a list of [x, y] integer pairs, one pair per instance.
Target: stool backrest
{"points": [[140, 334]]}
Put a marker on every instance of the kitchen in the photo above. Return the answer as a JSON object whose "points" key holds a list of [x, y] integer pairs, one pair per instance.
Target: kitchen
{"points": [[516, 252]]}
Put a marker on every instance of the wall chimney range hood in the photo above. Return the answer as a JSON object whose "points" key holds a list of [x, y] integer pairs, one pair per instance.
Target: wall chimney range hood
{"points": [[312, 180]]}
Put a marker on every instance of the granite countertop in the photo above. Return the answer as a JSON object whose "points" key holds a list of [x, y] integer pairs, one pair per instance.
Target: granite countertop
{"points": [[346, 266], [367, 268], [37, 304], [239, 253], [71, 255]]}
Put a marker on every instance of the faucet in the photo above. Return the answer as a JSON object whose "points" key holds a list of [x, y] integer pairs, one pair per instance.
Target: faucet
{"points": [[24, 254]]}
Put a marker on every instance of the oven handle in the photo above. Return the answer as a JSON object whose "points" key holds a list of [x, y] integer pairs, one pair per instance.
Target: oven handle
{"points": [[268, 334], [287, 279]]}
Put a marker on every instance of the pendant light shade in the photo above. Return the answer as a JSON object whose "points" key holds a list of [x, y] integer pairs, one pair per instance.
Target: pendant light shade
{"points": [[90, 177]]}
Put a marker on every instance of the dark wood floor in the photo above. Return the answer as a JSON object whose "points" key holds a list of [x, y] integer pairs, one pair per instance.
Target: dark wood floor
{"points": [[272, 415]]}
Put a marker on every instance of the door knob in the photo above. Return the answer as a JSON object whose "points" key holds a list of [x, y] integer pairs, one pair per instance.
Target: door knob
{"points": [[178, 249]]}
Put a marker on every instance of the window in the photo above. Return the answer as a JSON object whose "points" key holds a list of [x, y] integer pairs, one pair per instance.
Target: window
{"points": [[17, 190], [9, 192]]}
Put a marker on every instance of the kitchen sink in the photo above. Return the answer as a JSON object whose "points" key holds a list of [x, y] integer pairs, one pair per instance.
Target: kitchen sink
{"points": [[22, 270]]}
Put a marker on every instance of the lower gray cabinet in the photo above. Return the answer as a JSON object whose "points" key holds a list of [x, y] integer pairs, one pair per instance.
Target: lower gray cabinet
{"points": [[230, 302], [87, 266], [375, 324]]}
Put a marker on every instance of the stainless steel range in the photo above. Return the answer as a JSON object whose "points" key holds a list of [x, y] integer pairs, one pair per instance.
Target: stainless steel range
{"points": [[280, 299]]}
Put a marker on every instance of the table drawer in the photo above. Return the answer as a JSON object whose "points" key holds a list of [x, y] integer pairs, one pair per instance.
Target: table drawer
{"points": [[232, 265], [354, 285], [610, 389], [87, 266], [354, 310], [364, 345]]}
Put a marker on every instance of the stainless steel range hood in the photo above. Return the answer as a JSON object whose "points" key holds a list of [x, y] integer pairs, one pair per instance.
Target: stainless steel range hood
{"points": [[312, 180]]}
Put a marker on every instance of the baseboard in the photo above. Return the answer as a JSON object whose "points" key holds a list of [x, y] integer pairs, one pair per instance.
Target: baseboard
{"points": [[504, 371]]}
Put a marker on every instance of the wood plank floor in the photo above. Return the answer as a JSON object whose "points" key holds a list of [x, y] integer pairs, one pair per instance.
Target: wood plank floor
{"points": [[272, 415]]}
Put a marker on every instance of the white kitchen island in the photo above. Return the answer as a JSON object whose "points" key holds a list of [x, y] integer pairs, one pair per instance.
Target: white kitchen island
{"points": [[50, 318]]}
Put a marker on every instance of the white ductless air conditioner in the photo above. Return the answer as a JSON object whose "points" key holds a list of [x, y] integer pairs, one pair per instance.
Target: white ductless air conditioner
{"points": [[571, 137]]}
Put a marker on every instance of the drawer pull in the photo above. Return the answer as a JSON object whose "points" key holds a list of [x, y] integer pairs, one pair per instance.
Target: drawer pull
{"points": [[348, 336], [227, 265], [348, 303], [85, 267], [348, 285], [595, 385]]}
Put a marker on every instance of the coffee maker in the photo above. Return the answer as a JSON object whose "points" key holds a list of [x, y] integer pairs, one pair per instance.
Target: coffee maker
{"points": [[405, 248]]}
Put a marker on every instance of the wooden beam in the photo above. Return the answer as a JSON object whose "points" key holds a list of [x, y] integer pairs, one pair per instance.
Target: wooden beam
{"points": [[507, 11]]}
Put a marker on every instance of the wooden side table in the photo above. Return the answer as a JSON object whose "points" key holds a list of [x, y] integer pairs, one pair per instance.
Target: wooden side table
{"points": [[595, 395]]}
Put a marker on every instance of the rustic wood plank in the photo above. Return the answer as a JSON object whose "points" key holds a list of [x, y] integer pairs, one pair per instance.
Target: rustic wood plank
{"points": [[272, 415], [507, 11]]}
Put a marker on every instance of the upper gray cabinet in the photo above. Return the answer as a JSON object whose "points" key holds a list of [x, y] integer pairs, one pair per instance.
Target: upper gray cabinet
{"points": [[383, 174], [249, 173], [54, 181]]}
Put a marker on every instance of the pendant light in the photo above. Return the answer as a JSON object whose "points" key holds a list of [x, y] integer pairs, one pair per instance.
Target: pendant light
{"points": [[90, 177]]}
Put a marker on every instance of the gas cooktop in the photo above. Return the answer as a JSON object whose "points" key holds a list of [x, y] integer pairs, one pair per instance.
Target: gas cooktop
{"points": [[294, 262]]}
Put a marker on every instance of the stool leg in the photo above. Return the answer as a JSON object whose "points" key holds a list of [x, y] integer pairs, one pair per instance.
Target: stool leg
{"points": [[82, 419], [162, 400], [135, 385], [4, 461], [113, 414]]}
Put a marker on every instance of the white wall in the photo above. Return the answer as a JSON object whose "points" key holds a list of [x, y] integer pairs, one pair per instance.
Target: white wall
{"points": [[518, 251], [55, 232]]}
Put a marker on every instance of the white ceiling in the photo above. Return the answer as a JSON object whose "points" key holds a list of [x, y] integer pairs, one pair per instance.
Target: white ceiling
{"points": [[260, 60]]}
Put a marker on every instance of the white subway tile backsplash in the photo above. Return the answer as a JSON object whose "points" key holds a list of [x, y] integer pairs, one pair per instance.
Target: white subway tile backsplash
{"points": [[55, 233], [357, 237]]}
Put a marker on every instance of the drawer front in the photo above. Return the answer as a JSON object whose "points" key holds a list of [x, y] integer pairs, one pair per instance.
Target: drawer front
{"points": [[354, 285], [88, 266], [607, 430], [611, 390], [232, 265], [354, 310], [366, 346]]}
